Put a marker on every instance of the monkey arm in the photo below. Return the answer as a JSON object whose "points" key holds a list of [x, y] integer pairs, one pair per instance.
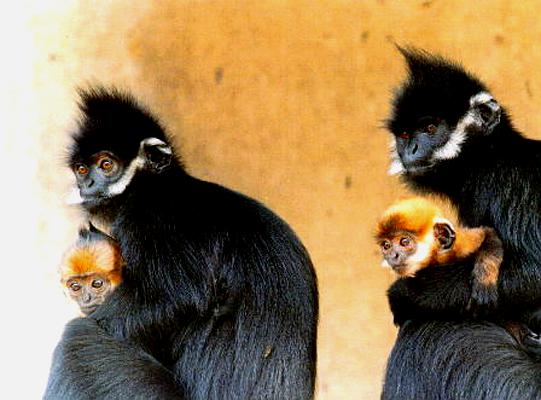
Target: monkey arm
{"points": [[439, 292], [486, 270]]}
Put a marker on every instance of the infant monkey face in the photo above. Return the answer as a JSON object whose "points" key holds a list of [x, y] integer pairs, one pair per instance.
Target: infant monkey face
{"points": [[397, 250], [89, 291]]}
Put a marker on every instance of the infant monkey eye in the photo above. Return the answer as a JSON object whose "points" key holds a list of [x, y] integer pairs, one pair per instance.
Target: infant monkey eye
{"points": [[386, 245], [74, 286], [405, 241], [97, 283]]}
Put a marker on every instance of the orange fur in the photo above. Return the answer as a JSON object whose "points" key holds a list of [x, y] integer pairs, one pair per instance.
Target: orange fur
{"points": [[96, 257], [467, 242], [415, 215], [488, 271]]}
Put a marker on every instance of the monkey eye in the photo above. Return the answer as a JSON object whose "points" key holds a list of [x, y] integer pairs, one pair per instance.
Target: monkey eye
{"points": [[97, 283], [81, 169], [74, 286], [404, 135], [106, 164], [405, 241], [431, 129], [385, 245]]}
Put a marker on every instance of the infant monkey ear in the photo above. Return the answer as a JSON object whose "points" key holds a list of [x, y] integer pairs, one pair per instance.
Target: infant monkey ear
{"points": [[444, 234]]}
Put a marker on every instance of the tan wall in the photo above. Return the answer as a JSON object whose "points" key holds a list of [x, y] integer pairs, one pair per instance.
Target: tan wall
{"points": [[283, 101]]}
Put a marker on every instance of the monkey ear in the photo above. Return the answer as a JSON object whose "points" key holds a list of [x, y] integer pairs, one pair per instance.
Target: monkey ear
{"points": [[486, 111], [157, 153], [444, 234]]}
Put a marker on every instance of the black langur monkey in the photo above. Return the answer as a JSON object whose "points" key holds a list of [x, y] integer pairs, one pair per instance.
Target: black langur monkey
{"points": [[413, 234], [91, 269], [219, 297], [451, 137]]}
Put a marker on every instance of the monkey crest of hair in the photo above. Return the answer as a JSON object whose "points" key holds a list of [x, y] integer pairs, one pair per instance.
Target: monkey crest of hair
{"points": [[415, 214], [114, 119], [218, 298], [93, 253]]}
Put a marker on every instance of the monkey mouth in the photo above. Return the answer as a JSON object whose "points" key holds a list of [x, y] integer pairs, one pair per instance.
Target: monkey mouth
{"points": [[418, 169], [89, 309]]}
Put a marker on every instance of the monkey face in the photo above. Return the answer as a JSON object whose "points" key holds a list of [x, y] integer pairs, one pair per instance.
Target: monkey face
{"points": [[435, 112], [88, 291], [397, 252], [418, 147], [97, 174]]}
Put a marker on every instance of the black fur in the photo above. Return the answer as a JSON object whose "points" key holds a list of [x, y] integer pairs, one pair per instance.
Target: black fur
{"points": [[218, 294], [436, 292], [444, 360], [494, 181]]}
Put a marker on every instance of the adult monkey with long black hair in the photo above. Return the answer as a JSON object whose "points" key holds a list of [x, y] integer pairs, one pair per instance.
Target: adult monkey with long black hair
{"points": [[452, 138], [219, 297]]}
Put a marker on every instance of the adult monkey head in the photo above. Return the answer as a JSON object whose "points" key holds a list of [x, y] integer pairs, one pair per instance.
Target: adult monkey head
{"points": [[116, 142]]}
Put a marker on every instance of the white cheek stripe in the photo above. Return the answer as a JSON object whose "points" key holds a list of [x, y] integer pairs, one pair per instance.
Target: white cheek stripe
{"points": [[121, 185], [453, 146], [137, 163], [396, 166]]}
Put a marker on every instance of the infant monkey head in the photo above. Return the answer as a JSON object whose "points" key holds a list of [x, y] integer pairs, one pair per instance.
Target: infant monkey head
{"points": [[91, 269], [412, 235]]}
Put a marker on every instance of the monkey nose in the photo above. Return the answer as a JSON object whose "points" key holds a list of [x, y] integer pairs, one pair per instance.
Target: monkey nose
{"points": [[87, 298], [88, 183]]}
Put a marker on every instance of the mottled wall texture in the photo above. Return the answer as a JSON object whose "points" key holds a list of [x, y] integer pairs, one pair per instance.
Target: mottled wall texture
{"points": [[281, 100]]}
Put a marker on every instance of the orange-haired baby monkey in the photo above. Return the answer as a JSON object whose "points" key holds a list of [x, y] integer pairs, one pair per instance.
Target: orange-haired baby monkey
{"points": [[413, 234], [91, 269]]}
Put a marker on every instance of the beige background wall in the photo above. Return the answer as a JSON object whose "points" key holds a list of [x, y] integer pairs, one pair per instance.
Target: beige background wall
{"points": [[283, 101]]}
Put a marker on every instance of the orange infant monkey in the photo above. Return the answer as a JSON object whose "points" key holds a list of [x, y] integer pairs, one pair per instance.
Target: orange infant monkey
{"points": [[91, 269], [414, 235]]}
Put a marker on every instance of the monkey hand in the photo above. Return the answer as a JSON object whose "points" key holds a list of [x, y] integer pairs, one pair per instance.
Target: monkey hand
{"points": [[486, 269], [484, 298]]}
